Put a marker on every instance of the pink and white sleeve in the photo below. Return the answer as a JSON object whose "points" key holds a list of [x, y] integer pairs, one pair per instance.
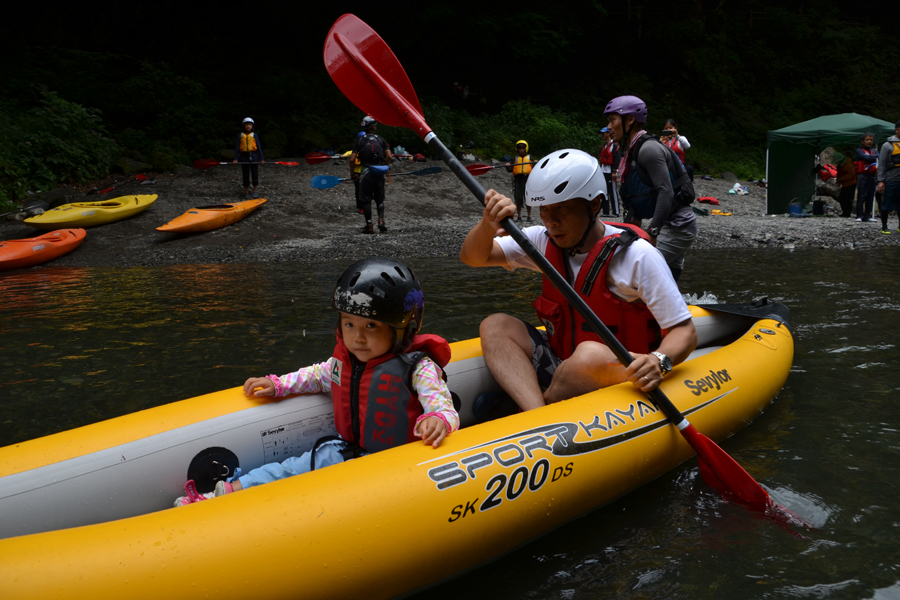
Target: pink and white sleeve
{"points": [[315, 379], [434, 395]]}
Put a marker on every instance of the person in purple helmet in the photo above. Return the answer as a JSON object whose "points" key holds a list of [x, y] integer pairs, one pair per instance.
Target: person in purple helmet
{"points": [[649, 178]]}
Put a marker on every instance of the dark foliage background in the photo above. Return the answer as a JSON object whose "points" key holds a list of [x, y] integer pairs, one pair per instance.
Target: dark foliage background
{"points": [[83, 85]]}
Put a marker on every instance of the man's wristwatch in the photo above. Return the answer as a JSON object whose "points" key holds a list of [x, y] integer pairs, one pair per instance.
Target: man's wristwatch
{"points": [[665, 363], [653, 232]]}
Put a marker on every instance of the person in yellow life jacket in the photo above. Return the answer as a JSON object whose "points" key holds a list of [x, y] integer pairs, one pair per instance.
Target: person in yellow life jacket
{"points": [[847, 178], [248, 151], [356, 170], [520, 167]]}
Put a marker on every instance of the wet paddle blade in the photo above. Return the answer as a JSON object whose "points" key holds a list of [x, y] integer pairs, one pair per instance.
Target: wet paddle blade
{"points": [[724, 474], [205, 163], [365, 69], [323, 182], [420, 172], [315, 158], [478, 169]]}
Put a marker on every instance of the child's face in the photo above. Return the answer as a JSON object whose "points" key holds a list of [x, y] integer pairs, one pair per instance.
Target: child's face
{"points": [[521, 150], [366, 339], [248, 127]]}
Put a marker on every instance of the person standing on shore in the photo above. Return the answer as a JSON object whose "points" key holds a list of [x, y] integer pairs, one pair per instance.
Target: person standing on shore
{"points": [[678, 143], [648, 182], [866, 157], [847, 178], [249, 153], [520, 168], [356, 169], [889, 178], [374, 155], [609, 162]]}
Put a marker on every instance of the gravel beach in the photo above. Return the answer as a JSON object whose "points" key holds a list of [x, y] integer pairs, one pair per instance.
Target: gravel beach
{"points": [[426, 216]]}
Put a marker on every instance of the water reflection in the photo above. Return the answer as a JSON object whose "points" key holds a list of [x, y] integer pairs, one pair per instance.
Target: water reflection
{"points": [[82, 345]]}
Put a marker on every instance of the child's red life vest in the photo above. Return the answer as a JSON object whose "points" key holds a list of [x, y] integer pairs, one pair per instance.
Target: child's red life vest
{"points": [[631, 323], [375, 406]]}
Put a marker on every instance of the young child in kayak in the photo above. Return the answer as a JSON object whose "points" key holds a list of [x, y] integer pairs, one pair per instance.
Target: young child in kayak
{"points": [[381, 308]]}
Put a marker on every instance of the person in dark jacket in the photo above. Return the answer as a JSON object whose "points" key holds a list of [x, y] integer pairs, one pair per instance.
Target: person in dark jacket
{"points": [[866, 168], [249, 153], [374, 156], [673, 226]]}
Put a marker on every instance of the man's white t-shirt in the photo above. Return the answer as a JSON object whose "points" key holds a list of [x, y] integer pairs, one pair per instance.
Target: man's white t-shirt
{"points": [[638, 272]]}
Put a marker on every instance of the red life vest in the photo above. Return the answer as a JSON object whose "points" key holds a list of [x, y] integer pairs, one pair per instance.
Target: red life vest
{"points": [[374, 404], [674, 145], [826, 172], [864, 167], [631, 323], [608, 153]]}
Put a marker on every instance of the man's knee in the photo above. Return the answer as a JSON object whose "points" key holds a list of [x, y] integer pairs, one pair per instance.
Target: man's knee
{"points": [[500, 327]]}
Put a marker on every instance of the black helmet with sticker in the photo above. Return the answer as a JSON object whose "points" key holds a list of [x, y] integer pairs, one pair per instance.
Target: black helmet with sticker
{"points": [[382, 289]]}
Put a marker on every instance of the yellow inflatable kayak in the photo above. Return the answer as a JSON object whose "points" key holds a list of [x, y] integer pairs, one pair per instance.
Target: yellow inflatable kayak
{"points": [[87, 513], [91, 214]]}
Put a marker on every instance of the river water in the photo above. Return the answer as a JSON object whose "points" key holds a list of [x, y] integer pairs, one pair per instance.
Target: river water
{"points": [[83, 345]]}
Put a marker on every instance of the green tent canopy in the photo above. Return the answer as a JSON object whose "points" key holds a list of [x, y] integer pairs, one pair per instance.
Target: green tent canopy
{"points": [[791, 154]]}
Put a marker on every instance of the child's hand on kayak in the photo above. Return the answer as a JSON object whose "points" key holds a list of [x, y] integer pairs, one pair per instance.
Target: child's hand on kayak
{"points": [[257, 387], [432, 431]]}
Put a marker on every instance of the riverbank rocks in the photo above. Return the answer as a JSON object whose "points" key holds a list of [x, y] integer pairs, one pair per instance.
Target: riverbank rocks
{"points": [[426, 216]]}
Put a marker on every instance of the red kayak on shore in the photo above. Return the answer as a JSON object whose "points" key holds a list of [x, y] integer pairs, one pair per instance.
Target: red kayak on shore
{"points": [[19, 254]]}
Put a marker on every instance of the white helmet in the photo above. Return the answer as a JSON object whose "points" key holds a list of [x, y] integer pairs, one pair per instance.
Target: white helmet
{"points": [[248, 120], [563, 175]]}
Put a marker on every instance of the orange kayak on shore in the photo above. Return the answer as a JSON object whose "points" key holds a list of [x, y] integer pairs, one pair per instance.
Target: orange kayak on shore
{"points": [[207, 218], [18, 254]]}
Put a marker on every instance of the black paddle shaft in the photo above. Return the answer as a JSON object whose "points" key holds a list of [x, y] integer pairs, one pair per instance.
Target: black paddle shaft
{"points": [[576, 301]]}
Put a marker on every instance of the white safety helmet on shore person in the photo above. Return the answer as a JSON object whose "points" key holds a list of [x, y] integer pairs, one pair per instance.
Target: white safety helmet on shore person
{"points": [[563, 175], [248, 120]]}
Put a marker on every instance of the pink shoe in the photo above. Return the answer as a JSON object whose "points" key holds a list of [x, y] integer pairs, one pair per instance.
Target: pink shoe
{"points": [[192, 495]]}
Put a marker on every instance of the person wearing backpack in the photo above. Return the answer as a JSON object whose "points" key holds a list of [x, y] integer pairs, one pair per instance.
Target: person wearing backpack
{"points": [[653, 182], [374, 155]]}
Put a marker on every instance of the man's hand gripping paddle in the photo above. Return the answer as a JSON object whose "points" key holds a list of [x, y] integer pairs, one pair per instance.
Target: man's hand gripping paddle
{"points": [[367, 72]]}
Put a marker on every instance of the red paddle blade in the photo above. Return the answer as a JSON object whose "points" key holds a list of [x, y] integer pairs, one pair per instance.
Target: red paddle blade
{"points": [[205, 163], [723, 473], [370, 76], [478, 169], [314, 158]]}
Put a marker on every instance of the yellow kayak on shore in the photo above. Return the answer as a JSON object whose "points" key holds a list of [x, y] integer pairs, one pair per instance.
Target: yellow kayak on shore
{"points": [[87, 513], [91, 214]]}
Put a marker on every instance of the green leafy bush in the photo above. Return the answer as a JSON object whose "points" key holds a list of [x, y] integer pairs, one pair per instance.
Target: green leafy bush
{"points": [[54, 142]]}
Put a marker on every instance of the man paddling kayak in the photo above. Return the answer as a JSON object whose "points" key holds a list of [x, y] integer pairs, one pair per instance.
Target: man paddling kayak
{"points": [[615, 270]]}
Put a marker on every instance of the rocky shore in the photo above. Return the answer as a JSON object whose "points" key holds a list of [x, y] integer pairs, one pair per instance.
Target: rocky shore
{"points": [[426, 216]]}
